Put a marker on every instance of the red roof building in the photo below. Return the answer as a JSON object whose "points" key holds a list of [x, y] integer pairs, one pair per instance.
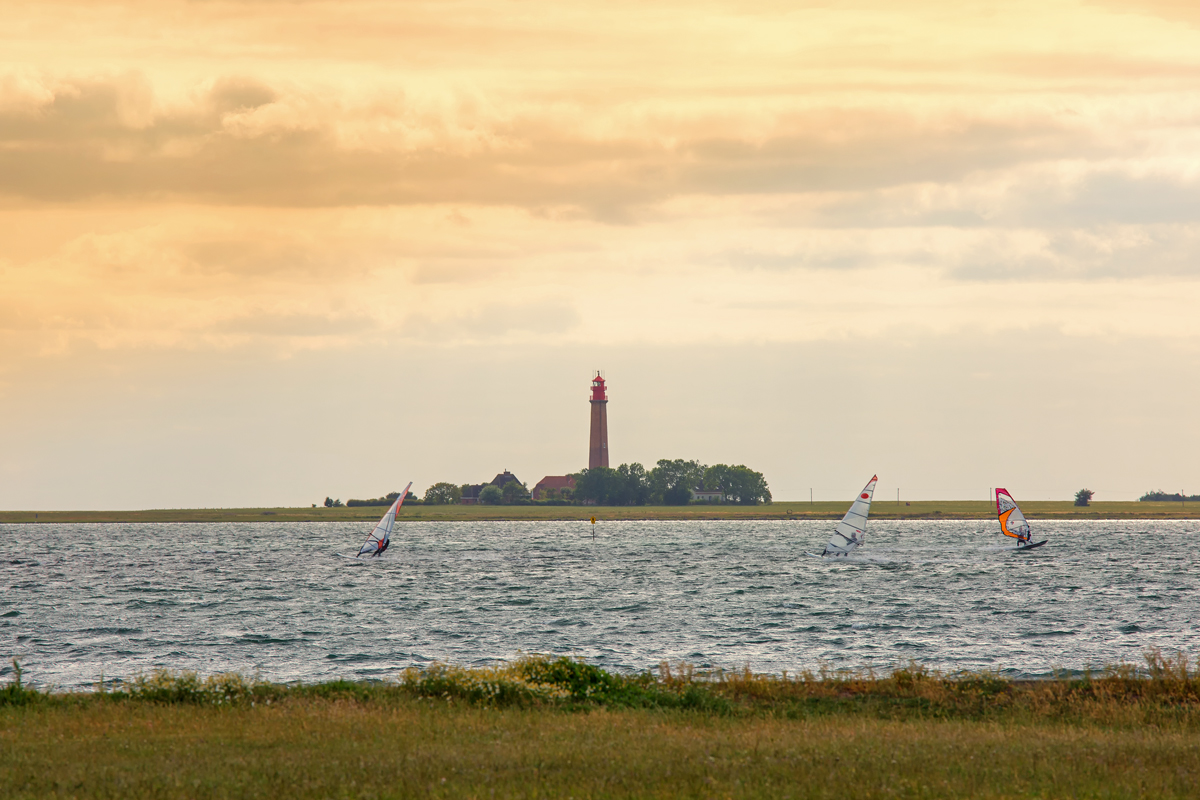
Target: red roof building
{"points": [[555, 482]]}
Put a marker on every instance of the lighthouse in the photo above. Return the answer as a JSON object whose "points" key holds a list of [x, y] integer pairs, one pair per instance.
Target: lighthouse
{"points": [[598, 446]]}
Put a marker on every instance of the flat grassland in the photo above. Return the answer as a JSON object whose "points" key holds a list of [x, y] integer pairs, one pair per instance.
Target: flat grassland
{"points": [[880, 509], [564, 729]]}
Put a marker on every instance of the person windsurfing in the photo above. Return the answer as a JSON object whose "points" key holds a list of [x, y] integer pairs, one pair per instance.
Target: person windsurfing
{"points": [[1012, 521], [380, 538]]}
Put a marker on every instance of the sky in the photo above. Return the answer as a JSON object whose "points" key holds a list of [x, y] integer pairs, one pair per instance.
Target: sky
{"points": [[259, 253]]}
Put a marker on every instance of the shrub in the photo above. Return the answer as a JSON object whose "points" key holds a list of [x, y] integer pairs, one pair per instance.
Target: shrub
{"points": [[495, 686], [165, 686], [15, 693]]}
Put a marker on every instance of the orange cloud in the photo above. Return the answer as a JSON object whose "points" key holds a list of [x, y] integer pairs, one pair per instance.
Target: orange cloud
{"points": [[320, 174]]}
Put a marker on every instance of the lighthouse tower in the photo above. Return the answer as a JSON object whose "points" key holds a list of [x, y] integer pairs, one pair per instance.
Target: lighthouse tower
{"points": [[598, 447]]}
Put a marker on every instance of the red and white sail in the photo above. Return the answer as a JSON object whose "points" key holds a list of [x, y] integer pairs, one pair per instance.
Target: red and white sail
{"points": [[848, 535], [377, 542], [1012, 521]]}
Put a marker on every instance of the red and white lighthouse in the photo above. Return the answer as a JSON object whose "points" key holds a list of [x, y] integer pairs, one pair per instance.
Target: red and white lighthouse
{"points": [[598, 447]]}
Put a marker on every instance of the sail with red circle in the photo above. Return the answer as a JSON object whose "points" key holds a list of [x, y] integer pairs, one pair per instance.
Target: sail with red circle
{"points": [[848, 535]]}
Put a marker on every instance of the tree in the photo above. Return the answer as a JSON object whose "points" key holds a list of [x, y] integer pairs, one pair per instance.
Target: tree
{"points": [[442, 494], [739, 484], [599, 485], [635, 482], [491, 495], [514, 492], [677, 495], [331, 503], [1083, 497], [627, 485], [679, 477]]}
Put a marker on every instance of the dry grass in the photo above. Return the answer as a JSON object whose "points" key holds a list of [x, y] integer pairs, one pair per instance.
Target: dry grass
{"points": [[311, 747], [1163, 692], [560, 728]]}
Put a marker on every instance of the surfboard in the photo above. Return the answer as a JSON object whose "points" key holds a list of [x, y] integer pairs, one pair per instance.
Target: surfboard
{"points": [[1023, 548]]}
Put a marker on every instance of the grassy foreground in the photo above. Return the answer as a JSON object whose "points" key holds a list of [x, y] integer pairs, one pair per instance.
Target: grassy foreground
{"points": [[881, 509], [562, 728]]}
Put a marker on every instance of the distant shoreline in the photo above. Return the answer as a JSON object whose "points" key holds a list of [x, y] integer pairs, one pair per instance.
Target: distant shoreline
{"points": [[881, 510]]}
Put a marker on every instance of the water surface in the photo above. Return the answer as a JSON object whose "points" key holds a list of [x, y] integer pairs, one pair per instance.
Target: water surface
{"points": [[80, 601]]}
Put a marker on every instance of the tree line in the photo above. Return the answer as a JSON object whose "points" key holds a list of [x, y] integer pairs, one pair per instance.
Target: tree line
{"points": [[512, 493], [1177, 497], [670, 483], [386, 500]]}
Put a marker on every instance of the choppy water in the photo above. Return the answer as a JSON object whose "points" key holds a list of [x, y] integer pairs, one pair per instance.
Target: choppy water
{"points": [[80, 601]]}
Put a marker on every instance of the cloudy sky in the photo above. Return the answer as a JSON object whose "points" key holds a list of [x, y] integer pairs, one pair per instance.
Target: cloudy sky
{"points": [[257, 253]]}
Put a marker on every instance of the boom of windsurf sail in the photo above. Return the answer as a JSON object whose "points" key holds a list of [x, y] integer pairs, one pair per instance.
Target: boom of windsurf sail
{"points": [[379, 539], [848, 534], [1012, 521]]}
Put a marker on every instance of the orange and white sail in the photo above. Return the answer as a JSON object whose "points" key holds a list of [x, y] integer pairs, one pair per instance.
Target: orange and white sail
{"points": [[849, 535], [379, 539], [1012, 521]]}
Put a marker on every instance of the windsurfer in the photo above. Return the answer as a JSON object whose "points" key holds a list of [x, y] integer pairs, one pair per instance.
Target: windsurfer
{"points": [[858, 511]]}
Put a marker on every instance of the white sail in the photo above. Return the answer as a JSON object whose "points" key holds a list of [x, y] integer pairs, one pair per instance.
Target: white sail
{"points": [[379, 539], [848, 534], [1012, 521]]}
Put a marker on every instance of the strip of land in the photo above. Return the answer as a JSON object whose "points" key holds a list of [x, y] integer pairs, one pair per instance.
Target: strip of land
{"points": [[556, 728], [880, 510]]}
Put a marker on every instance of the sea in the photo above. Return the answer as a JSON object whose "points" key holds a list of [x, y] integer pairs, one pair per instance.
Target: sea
{"points": [[85, 603]]}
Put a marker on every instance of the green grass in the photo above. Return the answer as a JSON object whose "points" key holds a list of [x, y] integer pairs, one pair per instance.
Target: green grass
{"points": [[561, 728], [881, 509]]}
